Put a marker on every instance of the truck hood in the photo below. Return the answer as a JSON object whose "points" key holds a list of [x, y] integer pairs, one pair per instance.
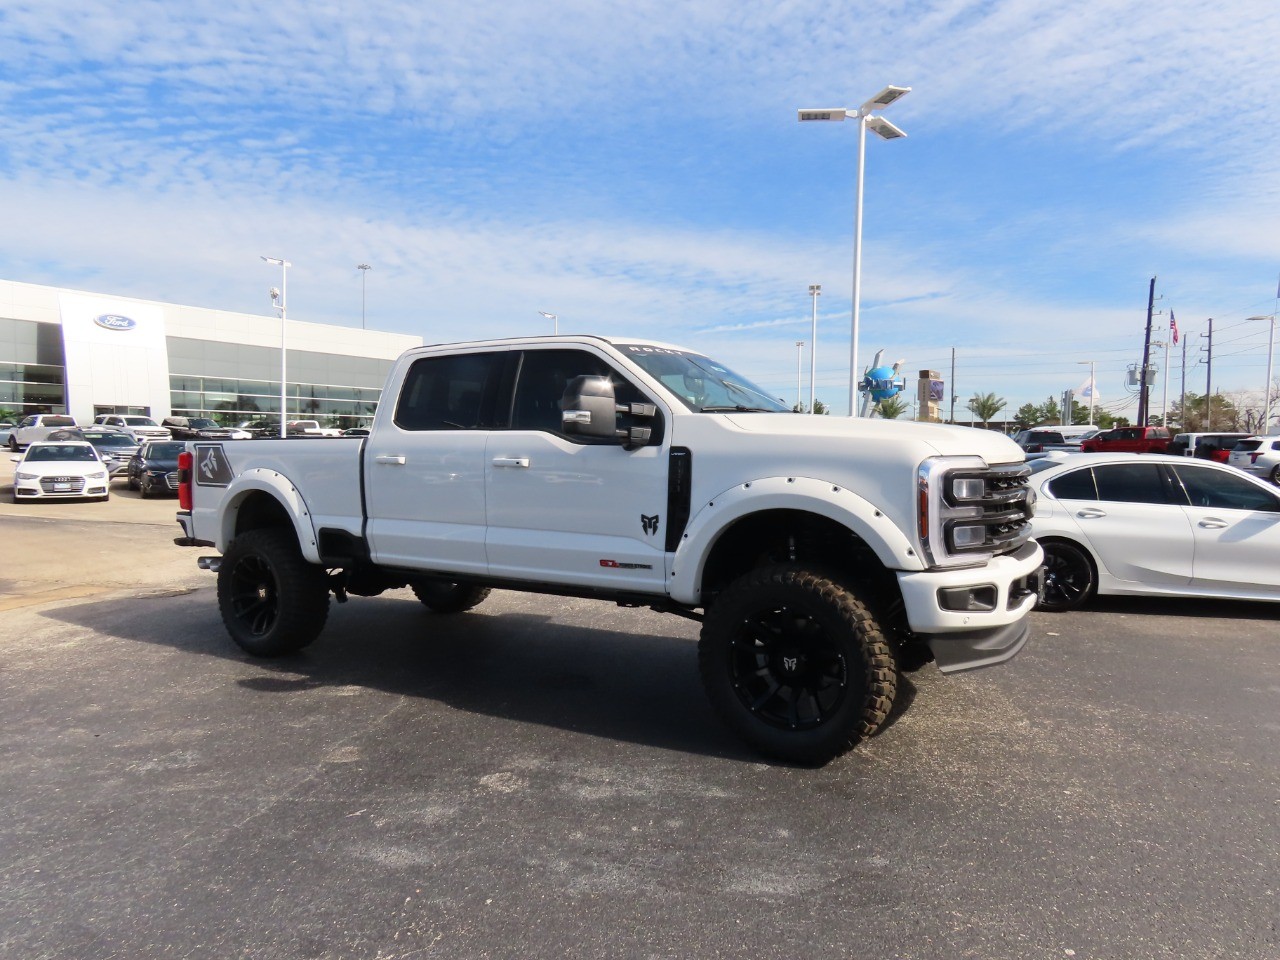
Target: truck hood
{"points": [[940, 438]]}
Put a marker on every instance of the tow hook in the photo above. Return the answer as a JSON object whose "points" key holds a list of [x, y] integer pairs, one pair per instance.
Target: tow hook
{"points": [[209, 563]]}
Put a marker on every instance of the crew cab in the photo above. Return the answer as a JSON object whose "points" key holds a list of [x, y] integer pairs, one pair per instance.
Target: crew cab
{"points": [[822, 555], [1128, 440]]}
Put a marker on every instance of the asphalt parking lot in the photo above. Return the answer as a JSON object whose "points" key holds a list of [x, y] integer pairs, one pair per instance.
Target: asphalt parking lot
{"points": [[543, 778]]}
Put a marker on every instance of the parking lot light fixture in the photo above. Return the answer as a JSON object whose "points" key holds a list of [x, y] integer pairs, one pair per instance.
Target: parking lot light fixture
{"points": [[280, 298], [1271, 339], [865, 115]]}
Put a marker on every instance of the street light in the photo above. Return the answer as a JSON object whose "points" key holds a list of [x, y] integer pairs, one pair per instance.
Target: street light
{"points": [[886, 131], [815, 291], [1093, 387], [364, 269], [1271, 339], [280, 298], [555, 321], [799, 354]]}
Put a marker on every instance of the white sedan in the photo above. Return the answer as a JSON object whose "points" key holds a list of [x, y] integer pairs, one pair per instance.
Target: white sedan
{"points": [[1150, 524], [58, 471]]}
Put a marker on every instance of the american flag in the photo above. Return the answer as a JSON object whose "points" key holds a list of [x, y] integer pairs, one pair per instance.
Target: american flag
{"points": [[1173, 326]]}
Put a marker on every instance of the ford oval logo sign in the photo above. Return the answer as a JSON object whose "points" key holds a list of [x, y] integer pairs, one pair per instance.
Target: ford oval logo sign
{"points": [[113, 321]]}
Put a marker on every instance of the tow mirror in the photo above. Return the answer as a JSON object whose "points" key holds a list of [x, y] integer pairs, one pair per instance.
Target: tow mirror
{"points": [[590, 409]]}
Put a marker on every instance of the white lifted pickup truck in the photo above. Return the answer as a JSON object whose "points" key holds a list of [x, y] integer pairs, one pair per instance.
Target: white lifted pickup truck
{"points": [[823, 555]]}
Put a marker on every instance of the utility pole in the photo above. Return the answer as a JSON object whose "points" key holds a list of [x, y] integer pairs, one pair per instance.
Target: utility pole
{"points": [[1143, 411], [1208, 381], [952, 418], [1182, 406]]}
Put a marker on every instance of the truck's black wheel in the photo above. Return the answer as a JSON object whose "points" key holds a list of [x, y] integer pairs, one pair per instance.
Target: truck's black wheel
{"points": [[441, 596], [272, 601], [796, 664], [1069, 577]]}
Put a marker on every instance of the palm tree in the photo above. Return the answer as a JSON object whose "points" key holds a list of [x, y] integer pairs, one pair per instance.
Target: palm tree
{"points": [[891, 408], [985, 406]]}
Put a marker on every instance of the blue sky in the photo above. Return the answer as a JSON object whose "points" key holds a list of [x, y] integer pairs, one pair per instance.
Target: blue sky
{"points": [[638, 169]]}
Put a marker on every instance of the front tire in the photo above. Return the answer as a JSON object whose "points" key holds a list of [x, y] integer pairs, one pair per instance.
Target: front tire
{"points": [[144, 487], [440, 596], [1070, 580], [796, 665], [1275, 474], [273, 602]]}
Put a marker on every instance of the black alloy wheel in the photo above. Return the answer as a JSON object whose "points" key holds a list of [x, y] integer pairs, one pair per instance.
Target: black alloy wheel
{"points": [[272, 601], [796, 664], [1069, 580]]}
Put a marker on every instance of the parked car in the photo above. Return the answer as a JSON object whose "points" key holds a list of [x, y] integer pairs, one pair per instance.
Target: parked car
{"points": [[6, 431], [310, 428], [59, 470], [1128, 440], [37, 427], [154, 468], [1044, 439], [202, 428], [260, 428], [1206, 446], [115, 447], [1153, 525], [1259, 456], [356, 432], [140, 428]]}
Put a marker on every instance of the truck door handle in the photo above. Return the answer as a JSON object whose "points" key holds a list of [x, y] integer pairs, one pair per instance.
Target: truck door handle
{"points": [[389, 460], [1213, 523], [511, 461], [1090, 513]]}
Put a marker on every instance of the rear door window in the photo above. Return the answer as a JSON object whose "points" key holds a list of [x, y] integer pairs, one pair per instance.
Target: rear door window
{"points": [[1076, 485], [450, 393]]}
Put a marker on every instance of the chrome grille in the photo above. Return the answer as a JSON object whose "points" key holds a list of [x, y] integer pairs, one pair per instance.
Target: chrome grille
{"points": [[54, 484]]}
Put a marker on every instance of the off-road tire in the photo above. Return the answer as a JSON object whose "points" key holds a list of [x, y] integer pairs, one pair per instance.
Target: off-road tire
{"points": [[272, 601], [441, 596], [1069, 578], [796, 664]]}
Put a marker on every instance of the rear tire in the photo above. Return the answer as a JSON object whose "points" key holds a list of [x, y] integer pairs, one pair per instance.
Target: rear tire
{"points": [[796, 665], [273, 602], [1275, 474], [1070, 579], [440, 596]]}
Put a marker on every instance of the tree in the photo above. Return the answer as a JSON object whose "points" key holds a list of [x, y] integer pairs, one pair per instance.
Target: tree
{"points": [[1028, 415], [1196, 418], [985, 406], [820, 408], [891, 408]]}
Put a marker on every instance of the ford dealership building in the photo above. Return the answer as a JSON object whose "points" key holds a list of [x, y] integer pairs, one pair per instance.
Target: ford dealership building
{"points": [[66, 351]]}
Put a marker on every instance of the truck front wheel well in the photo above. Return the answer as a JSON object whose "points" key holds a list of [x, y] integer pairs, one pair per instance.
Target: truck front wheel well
{"points": [[788, 536], [816, 543]]}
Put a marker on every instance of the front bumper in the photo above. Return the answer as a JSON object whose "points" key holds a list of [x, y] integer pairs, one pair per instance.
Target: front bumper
{"points": [[995, 629]]}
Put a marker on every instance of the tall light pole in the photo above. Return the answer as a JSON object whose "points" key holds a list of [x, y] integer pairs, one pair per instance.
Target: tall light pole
{"points": [[886, 131], [555, 321], [364, 269], [1093, 389], [1271, 339], [799, 355], [280, 299], [815, 291]]}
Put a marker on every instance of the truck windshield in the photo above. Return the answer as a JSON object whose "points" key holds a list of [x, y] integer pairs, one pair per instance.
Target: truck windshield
{"points": [[702, 384]]}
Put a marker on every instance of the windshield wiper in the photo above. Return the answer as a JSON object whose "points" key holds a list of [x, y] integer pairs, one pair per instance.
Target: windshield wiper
{"points": [[738, 409]]}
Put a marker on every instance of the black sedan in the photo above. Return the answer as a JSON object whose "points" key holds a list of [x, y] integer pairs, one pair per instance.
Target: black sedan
{"points": [[154, 468]]}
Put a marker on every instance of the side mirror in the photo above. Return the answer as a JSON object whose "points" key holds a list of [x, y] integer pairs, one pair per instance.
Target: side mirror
{"points": [[589, 408]]}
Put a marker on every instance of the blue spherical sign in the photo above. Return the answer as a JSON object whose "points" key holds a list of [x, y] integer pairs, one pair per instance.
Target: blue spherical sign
{"points": [[881, 385]]}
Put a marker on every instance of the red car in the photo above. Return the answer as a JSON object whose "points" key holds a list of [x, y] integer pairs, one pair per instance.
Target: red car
{"points": [[1128, 440]]}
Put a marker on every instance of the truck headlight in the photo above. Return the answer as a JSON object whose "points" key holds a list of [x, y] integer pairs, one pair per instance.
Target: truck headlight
{"points": [[968, 511]]}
